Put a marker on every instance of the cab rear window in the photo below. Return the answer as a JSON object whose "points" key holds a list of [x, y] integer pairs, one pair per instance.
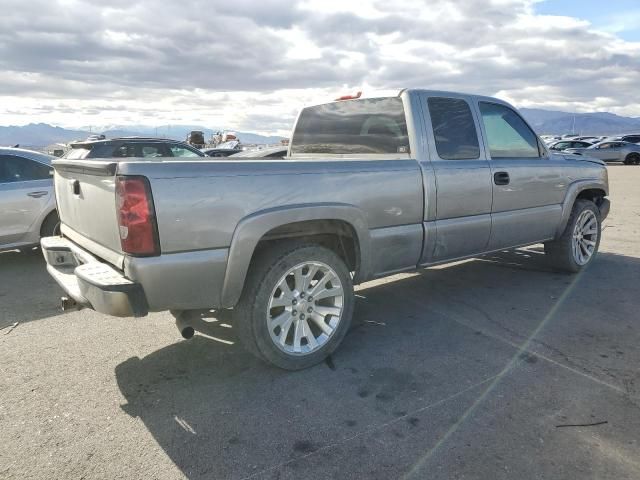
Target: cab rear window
{"points": [[366, 126]]}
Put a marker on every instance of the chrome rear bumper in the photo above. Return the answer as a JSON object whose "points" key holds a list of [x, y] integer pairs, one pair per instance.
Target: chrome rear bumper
{"points": [[90, 282]]}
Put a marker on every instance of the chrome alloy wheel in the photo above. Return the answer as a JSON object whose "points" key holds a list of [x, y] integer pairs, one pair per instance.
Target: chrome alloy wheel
{"points": [[585, 237], [305, 308]]}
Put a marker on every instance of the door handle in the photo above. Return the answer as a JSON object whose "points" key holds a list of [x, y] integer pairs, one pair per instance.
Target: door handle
{"points": [[37, 194], [501, 178]]}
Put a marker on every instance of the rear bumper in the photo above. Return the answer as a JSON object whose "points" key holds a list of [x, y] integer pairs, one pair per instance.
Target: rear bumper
{"points": [[90, 282]]}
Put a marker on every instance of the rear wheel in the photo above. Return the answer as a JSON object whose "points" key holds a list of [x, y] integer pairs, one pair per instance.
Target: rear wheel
{"points": [[578, 244], [632, 159], [50, 226], [296, 306]]}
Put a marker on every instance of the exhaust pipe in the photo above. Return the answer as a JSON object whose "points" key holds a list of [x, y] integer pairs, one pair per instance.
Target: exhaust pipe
{"points": [[69, 304], [186, 330]]}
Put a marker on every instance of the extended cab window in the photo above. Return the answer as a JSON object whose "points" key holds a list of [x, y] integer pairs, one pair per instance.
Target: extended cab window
{"points": [[508, 135], [453, 129], [372, 125]]}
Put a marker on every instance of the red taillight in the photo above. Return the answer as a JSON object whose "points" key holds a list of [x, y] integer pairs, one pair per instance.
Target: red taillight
{"points": [[136, 216]]}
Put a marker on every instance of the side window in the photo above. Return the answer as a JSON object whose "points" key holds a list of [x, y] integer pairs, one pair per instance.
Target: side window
{"points": [[180, 151], [126, 150], [151, 150], [453, 129], [18, 169], [508, 136]]}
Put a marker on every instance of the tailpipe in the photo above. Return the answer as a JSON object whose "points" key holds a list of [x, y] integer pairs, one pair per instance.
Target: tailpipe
{"points": [[69, 304], [182, 322]]}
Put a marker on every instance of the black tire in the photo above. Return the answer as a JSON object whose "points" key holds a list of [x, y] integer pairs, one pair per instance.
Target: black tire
{"points": [[250, 314], [50, 226], [632, 159], [560, 251]]}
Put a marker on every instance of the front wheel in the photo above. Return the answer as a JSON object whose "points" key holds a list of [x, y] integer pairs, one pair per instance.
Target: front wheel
{"points": [[296, 306], [632, 159], [578, 244]]}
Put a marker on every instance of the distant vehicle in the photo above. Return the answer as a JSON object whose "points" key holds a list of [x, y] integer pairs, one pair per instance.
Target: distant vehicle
{"points": [[549, 138], [634, 138], [27, 201], [628, 153], [224, 149], [589, 138], [570, 135], [92, 138], [125, 147], [196, 139], [560, 145], [270, 152]]}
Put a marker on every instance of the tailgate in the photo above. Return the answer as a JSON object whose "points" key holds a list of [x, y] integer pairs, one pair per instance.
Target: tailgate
{"points": [[85, 193]]}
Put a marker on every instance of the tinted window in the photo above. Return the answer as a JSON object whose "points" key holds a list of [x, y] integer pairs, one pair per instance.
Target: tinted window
{"points": [[508, 136], [563, 145], [126, 150], [153, 150], [181, 151], [453, 129], [372, 125], [18, 169], [632, 138]]}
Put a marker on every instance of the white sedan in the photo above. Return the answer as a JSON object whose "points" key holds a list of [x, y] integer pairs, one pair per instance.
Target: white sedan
{"points": [[27, 200]]}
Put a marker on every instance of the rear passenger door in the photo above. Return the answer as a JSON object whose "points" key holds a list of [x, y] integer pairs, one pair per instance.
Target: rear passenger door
{"points": [[528, 184], [462, 222]]}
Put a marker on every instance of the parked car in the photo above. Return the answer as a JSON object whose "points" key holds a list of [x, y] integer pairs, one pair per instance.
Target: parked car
{"points": [[633, 138], [27, 203], [196, 139], [279, 151], [125, 147], [618, 151], [224, 149], [564, 144], [279, 245]]}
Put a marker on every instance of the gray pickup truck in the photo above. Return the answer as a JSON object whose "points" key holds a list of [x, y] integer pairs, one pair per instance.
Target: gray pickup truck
{"points": [[370, 187]]}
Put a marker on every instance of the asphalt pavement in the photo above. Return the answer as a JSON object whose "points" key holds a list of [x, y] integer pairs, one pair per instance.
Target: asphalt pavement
{"points": [[493, 368]]}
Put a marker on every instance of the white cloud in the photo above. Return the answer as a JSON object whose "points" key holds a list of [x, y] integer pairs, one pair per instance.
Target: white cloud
{"points": [[252, 66]]}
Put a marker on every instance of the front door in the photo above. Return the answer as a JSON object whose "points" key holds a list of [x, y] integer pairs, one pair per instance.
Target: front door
{"points": [[528, 184], [462, 222]]}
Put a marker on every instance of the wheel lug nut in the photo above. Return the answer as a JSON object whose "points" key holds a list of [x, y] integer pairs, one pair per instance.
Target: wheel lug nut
{"points": [[309, 310], [302, 295], [295, 312], [294, 301], [310, 299], [302, 316]]}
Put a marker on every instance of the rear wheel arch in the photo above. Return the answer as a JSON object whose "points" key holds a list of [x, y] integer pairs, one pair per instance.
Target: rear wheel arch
{"points": [[50, 224], [341, 228]]}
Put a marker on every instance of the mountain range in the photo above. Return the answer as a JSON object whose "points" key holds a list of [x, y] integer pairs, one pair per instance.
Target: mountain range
{"points": [[39, 135], [596, 123]]}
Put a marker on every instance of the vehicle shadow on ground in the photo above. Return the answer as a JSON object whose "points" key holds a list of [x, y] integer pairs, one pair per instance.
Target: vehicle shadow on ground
{"points": [[27, 291], [219, 413]]}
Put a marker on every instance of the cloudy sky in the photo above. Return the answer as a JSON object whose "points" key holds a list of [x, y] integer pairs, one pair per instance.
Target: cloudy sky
{"points": [[251, 64]]}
